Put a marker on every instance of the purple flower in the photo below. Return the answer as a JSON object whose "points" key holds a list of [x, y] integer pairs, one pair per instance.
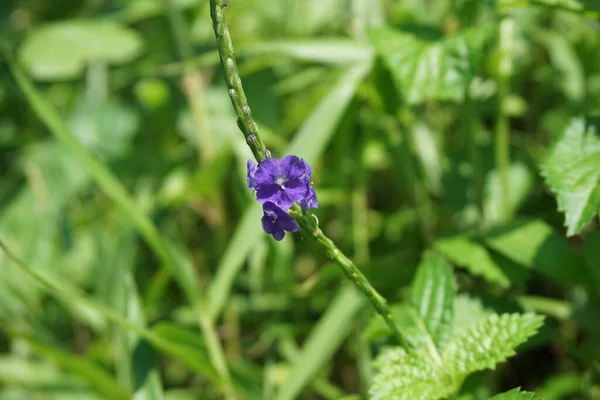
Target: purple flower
{"points": [[281, 182], [275, 221], [310, 199]]}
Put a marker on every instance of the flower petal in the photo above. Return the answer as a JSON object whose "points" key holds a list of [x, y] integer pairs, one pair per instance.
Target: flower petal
{"points": [[270, 193], [292, 167], [310, 199], [296, 189], [250, 176], [266, 172], [268, 226], [308, 171], [287, 223], [278, 235]]}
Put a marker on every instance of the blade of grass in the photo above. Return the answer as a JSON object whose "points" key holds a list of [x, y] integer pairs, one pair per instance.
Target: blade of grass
{"points": [[194, 360], [181, 270], [323, 340], [100, 380], [317, 131]]}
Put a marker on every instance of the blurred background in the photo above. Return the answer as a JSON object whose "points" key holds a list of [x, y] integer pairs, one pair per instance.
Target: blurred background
{"points": [[123, 188]]}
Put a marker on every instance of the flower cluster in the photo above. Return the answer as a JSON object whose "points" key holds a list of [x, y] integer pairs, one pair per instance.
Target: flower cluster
{"points": [[278, 185]]}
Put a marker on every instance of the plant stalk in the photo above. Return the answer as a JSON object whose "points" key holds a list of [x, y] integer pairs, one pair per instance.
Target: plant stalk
{"points": [[234, 83], [310, 226], [307, 222]]}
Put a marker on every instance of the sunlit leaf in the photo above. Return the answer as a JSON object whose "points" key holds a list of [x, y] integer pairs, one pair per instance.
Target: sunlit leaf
{"points": [[408, 377], [572, 170], [514, 394], [474, 257], [433, 293], [62, 50], [430, 70], [489, 342]]}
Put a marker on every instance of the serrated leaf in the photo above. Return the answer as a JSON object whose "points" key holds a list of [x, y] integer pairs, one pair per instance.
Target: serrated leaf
{"points": [[407, 377], [474, 257], [489, 342], [425, 70], [433, 296], [514, 394], [572, 170]]}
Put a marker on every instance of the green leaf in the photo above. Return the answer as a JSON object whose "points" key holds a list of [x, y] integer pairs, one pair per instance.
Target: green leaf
{"points": [[572, 170], [61, 50], [325, 337], [521, 182], [467, 311], [535, 245], [489, 342], [433, 296], [328, 51], [96, 377], [514, 394], [430, 70], [401, 376], [411, 325], [474, 257]]}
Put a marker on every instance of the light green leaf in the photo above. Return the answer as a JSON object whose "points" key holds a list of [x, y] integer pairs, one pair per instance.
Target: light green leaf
{"points": [[96, 377], [317, 131], [401, 376], [521, 182], [411, 325], [489, 342], [325, 337], [328, 51], [474, 257], [514, 394], [467, 311], [62, 50], [572, 170], [433, 296], [535, 246], [425, 70]]}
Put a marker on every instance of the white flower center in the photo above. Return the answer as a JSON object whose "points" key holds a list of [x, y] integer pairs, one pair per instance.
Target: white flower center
{"points": [[280, 182]]}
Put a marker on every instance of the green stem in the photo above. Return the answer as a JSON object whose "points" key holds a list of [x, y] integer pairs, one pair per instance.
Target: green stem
{"points": [[307, 222], [470, 132], [234, 83], [505, 70]]}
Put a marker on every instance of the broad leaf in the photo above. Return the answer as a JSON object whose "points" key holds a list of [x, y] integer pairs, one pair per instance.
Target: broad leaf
{"points": [[407, 377], [433, 295], [489, 342], [474, 257], [535, 246], [572, 170], [430, 70], [61, 50], [514, 394]]}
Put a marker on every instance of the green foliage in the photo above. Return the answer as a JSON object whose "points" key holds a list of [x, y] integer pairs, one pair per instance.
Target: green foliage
{"points": [[433, 296], [434, 369], [62, 50], [572, 171], [514, 394], [489, 342], [430, 70], [453, 144]]}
